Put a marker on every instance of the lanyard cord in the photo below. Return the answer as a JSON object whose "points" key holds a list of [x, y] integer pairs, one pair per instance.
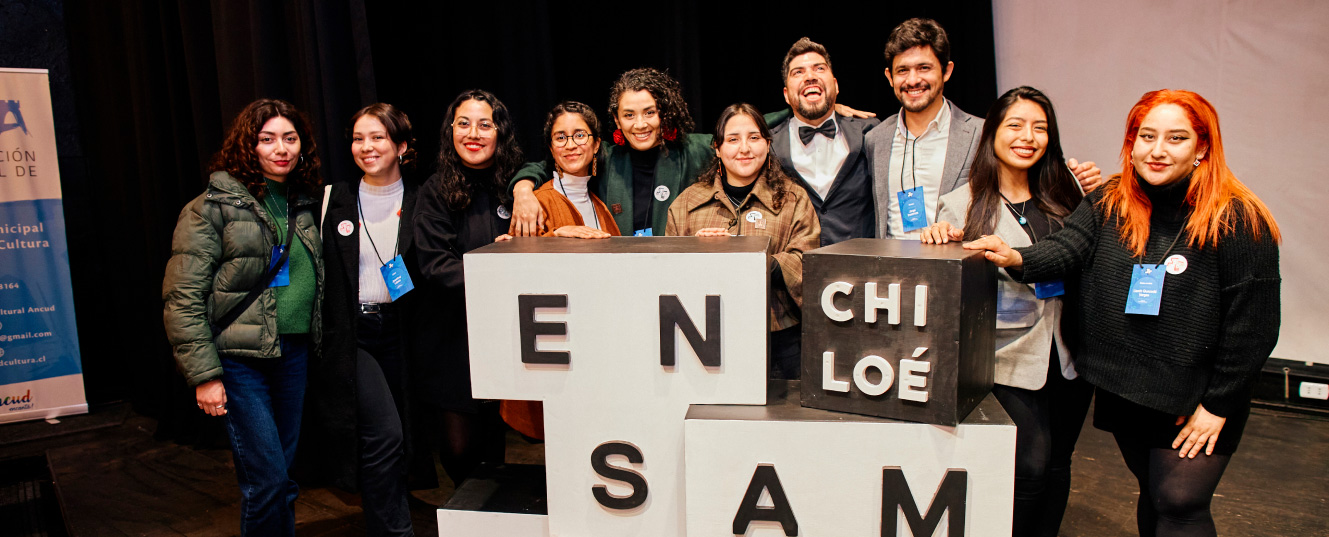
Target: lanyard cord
{"points": [[365, 226], [1165, 252], [272, 209], [564, 191], [913, 161]]}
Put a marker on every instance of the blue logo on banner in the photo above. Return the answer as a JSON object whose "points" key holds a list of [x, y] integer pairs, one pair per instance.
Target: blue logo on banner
{"points": [[10, 108]]}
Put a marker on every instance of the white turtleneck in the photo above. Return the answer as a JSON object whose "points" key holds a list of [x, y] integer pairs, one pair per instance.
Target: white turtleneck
{"points": [[577, 190], [381, 209]]}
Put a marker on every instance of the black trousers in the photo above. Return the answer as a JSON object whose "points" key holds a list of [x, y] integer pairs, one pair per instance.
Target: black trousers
{"points": [[1047, 423], [379, 379]]}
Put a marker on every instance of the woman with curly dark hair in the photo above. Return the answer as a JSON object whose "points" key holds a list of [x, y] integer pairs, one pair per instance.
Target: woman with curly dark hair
{"points": [[654, 154], [357, 386], [744, 191], [242, 299], [463, 206]]}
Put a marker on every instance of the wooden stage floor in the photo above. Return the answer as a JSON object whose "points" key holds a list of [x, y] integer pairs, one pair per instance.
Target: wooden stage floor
{"points": [[115, 479]]}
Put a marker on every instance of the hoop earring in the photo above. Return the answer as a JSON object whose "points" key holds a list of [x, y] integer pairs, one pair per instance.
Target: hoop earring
{"points": [[302, 159], [400, 159]]}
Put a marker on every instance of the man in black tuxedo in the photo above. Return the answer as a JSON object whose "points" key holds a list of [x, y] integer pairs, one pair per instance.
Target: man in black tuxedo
{"points": [[823, 150]]}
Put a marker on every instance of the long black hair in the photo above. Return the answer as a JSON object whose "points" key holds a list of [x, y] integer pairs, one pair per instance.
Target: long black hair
{"points": [[453, 184], [771, 172], [1051, 184]]}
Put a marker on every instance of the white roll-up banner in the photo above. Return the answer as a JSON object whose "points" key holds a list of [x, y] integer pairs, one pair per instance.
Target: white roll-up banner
{"points": [[41, 375]]}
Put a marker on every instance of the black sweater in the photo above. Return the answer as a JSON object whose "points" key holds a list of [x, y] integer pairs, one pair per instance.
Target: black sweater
{"points": [[1217, 323]]}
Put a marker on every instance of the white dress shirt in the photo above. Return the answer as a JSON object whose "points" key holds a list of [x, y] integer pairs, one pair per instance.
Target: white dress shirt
{"points": [[918, 161], [819, 161]]}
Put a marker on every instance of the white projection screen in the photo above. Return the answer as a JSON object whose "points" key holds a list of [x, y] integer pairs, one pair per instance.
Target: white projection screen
{"points": [[1263, 64]]}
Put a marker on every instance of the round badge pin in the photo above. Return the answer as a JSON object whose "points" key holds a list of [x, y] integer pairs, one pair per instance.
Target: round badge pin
{"points": [[1176, 264], [504, 213], [345, 227], [661, 192], [753, 216]]}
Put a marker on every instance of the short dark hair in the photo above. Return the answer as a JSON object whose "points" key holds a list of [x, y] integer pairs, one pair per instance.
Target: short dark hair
{"points": [[667, 92], [801, 47], [918, 32], [397, 125]]}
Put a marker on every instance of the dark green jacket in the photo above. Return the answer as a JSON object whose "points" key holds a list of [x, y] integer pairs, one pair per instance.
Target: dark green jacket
{"points": [[221, 248], [676, 169]]}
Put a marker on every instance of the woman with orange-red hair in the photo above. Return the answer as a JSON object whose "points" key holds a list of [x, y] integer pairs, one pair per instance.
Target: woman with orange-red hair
{"points": [[1180, 298]]}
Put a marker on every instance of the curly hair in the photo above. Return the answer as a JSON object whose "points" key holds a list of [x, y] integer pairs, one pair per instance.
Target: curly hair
{"points": [[238, 155], [453, 184], [771, 172], [398, 128], [668, 95], [582, 110]]}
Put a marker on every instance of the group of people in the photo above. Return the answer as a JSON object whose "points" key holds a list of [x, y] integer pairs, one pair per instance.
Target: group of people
{"points": [[345, 305]]}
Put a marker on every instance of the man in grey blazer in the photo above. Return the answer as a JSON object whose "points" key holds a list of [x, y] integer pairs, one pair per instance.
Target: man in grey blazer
{"points": [[924, 151], [823, 150]]}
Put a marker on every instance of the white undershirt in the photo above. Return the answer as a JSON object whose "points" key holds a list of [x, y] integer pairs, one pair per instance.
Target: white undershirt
{"points": [[819, 161], [577, 190], [381, 206], [929, 149]]}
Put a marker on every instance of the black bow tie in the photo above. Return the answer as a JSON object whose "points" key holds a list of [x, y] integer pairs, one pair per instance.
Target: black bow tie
{"points": [[826, 129]]}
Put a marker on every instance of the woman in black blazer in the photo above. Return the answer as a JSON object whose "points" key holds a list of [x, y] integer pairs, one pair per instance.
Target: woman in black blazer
{"points": [[358, 387], [463, 206]]}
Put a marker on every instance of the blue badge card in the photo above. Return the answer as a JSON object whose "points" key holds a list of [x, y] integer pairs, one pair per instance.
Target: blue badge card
{"points": [[1049, 289], [283, 277], [1146, 289], [642, 232], [395, 275], [913, 211]]}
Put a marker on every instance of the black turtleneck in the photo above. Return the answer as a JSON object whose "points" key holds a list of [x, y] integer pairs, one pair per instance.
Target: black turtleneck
{"points": [[1218, 319], [737, 194], [643, 185]]}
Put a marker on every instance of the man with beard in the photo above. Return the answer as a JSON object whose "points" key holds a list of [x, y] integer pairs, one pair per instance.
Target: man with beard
{"points": [[822, 149], [925, 150]]}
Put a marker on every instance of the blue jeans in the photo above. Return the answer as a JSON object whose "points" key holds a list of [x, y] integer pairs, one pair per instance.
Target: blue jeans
{"points": [[264, 400]]}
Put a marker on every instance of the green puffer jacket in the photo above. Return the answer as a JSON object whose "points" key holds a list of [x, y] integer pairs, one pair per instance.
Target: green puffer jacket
{"points": [[221, 248]]}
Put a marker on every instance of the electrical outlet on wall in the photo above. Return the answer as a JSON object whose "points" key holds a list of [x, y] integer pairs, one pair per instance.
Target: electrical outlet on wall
{"points": [[1314, 390]]}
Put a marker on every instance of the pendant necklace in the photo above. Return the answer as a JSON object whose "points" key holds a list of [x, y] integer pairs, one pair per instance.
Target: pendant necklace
{"points": [[1018, 212]]}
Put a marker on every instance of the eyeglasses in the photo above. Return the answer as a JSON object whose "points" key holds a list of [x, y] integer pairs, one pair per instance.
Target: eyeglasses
{"points": [[579, 138], [463, 124]]}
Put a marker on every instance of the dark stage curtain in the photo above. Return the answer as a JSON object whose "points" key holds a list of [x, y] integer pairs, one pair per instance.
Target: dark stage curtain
{"points": [[149, 88]]}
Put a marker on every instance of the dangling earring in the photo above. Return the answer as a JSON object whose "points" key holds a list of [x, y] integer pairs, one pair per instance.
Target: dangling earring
{"points": [[594, 161], [1197, 163], [302, 159], [401, 159], [671, 135]]}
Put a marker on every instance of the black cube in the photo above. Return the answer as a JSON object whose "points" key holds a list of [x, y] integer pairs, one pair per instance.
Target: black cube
{"points": [[922, 351]]}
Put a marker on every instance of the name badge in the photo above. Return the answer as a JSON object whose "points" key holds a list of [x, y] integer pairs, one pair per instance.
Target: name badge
{"points": [[643, 232], [913, 212], [1146, 289], [283, 277], [1050, 289], [396, 277]]}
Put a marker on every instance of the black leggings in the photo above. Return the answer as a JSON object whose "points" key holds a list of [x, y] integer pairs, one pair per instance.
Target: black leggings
{"points": [[1048, 423], [1175, 493]]}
